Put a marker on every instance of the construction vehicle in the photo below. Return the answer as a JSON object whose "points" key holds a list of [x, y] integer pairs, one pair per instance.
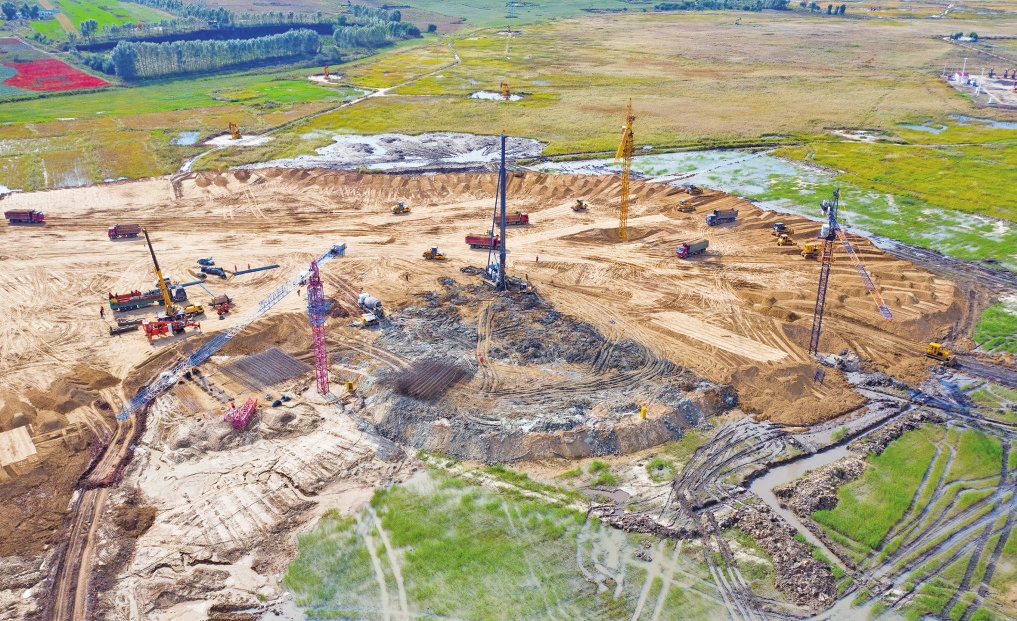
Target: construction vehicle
{"points": [[234, 130], [810, 250], [580, 205], [433, 254], [30, 216], [370, 304], [206, 261], [694, 190], [123, 230], [936, 351], [171, 310], [118, 329], [688, 249], [170, 326], [505, 92], [779, 228], [721, 216], [624, 153], [222, 304], [400, 208], [214, 271], [194, 309], [365, 320], [786, 240], [483, 241], [869, 62], [326, 72], [514, 219], [685, 206]]}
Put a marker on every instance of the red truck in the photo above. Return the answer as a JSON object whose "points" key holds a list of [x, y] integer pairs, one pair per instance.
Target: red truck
{"points": [[689, 249], [514, 219], [123, 230], [483, 241], [28, 217]]}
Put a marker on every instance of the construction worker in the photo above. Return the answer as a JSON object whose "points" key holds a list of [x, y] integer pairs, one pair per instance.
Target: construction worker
{"points": [[537, 260], [407, 277], [298, 293], [102, 312]]}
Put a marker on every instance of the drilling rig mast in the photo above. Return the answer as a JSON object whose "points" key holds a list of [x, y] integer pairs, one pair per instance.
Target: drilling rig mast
{"points": [[625, 154], [317, 312]]}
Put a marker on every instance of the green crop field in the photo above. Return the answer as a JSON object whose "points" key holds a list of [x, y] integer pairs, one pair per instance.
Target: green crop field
{"points": [[996, 330], [106, 13]]}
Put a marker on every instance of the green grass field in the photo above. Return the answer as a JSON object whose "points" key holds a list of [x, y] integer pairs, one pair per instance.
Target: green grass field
{"points": [[996, 329], [106, 13], [466, 553]]}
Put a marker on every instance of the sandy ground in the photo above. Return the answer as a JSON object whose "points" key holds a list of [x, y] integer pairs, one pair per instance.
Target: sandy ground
{"points": [[739, 314]]}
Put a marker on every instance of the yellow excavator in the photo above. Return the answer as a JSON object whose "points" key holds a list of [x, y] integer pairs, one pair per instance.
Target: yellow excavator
{"points": [[433, 254], [400, 208], [936, 351], [234, 130], [580, 205], [810, 250], [171, 310]]}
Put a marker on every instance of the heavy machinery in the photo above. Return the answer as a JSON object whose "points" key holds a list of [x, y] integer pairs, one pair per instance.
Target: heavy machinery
{"points": [[685, 206], [483, 241], [694, 190], [832, 231], [938, 352], [171, 310], [326, 72], [222, 304], [206, 261], [505, 92], [123, 230], [810, 250], [786, 240], [234, 130], [779, 228], [194, 309], [371, 304], [214, 271], [688, 249], [721, 216], [433, 254], [624, 154], [580, 205], [400, 208], [30, 216], [514, 219], [170, 326], [238, 416], [317, 313]]}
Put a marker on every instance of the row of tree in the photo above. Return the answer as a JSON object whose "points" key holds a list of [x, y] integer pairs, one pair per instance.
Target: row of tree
{"points": [[152, 60], [712, 5], [11, 11], [371, 28]]}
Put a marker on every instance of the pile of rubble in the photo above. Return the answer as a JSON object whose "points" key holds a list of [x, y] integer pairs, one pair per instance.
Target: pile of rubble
{"points": [[817, 491], [803, 579]]}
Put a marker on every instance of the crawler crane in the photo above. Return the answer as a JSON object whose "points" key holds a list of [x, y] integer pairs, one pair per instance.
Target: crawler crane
{"points": [[624, 153]]}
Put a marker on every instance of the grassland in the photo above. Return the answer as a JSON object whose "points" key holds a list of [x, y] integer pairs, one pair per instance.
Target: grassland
{"points": [[459, 551], [106, 13], [996, 329]]}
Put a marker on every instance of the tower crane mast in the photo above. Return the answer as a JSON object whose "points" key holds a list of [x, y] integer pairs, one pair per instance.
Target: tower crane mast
{"points": [[624, 154]]}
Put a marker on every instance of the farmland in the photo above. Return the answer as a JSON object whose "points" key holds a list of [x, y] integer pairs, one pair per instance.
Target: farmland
{"points": [[25, 70]]}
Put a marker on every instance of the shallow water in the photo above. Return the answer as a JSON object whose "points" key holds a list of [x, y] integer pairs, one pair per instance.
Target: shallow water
{"points": [[186, 138], [492, 96]]}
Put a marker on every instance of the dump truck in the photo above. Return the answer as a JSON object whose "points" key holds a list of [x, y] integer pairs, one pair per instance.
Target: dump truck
{"points": [[123, 230], [688, 249], [785, 240], [483, 241], [30, 216], [194, 309], [400, 208], [720, 216], [810, 250], [514, 219], [780, 228], [936, 351], [580, 205], [433, 254]]}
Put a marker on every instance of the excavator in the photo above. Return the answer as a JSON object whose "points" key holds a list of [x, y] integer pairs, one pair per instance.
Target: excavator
{"points": [[433, 254], [505, 92], [580, 205], [810, 250], [171, 310], [780, 228], [936, 351], [234, 130], [869, 62], [400, 208]]}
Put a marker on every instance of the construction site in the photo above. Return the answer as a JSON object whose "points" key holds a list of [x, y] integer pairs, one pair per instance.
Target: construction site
{"points": [[194, 369]]}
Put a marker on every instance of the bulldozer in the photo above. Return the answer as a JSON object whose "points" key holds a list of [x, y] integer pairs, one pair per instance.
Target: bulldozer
{"points": [[810, 250], [685, 206], [936, 351], [786, 240], [400, 208], [580, 205], [433, 254], [234, 130]]}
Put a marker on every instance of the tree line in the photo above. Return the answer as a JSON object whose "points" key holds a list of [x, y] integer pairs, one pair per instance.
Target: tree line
{"points": [[371, 28], [713, 5], [131, 59]]}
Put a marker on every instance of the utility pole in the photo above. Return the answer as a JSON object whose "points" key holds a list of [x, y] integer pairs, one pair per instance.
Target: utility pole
{"points": [[501, 188]]}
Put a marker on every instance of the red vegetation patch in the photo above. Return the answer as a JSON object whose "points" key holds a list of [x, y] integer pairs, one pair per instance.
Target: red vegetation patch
{"points": [[50, 74]]}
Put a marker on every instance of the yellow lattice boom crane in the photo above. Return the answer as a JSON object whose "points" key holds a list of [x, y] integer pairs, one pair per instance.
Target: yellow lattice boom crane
{"points": [[625, 155], [167, 300]]}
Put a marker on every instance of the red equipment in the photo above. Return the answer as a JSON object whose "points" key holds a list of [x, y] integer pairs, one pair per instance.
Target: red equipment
{"points": [[156, 328], [240, 416], [317, 311], [29, 217], [123, 230], [517, 218], [483, 241]]}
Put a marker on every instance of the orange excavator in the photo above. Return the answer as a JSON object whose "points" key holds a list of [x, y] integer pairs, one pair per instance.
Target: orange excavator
{"points": [[505, 92], [234, 130]]}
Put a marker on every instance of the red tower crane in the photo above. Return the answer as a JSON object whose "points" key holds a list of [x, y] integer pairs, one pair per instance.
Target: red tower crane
{"points": [[317, 312]]}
